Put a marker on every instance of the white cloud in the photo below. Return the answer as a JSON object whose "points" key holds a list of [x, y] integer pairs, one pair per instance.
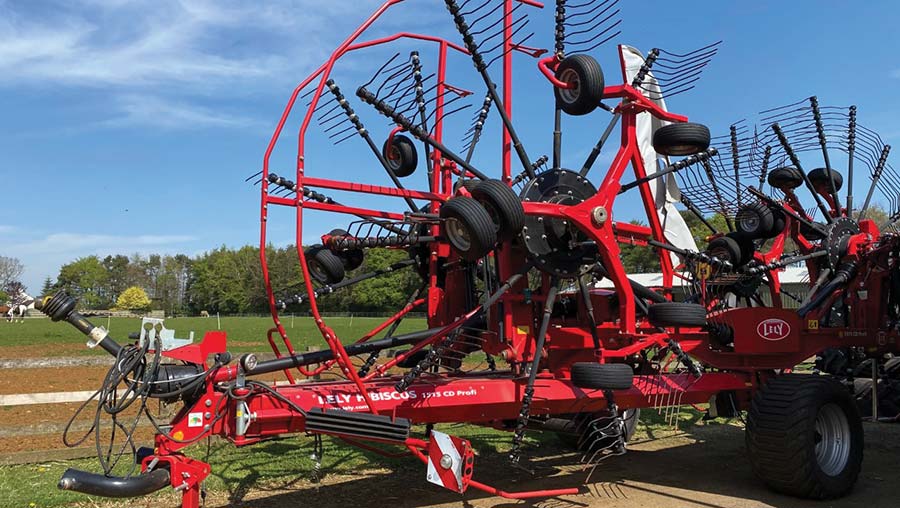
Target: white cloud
{"points": [[172, 114], [43, 257]]}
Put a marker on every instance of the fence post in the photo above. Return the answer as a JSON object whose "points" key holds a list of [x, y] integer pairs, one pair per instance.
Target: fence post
{"points": [[310, 349]]}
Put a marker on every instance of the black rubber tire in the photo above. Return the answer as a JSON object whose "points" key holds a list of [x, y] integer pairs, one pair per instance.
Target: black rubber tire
{"points": [[468, 227], [504, 207], [630, 417], [745, 244], [466, 183], [725, 248], [755, 220], [778, 223], [413, 359], [781, 436], [324, 266], [785, 178], [676, 314], [401, 155], [681, 139], [602, 376], [352, 258], [585, 72], [820, 177]]}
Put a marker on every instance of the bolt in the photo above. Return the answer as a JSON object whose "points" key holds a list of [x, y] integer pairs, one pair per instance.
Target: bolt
{"points": [[208, 403]]}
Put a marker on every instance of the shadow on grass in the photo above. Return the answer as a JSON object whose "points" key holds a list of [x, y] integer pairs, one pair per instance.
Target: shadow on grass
{"points": [[702, 465]]}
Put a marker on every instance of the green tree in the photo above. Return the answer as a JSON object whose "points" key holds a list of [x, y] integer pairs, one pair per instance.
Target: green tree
{"points": [[86, 278], [133, 298], [639, 258], [48, 287]]}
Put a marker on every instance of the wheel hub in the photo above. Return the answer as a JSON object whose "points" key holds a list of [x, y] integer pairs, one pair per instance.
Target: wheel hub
{"points": [[832, 439], [838, 238], [555, 244]]}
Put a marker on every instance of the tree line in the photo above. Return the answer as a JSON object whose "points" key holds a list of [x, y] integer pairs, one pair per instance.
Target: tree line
{"points": [[226, 280]]}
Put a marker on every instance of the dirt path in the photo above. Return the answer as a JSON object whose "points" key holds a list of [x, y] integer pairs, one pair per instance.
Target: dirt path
{"points": [[705, 468]]}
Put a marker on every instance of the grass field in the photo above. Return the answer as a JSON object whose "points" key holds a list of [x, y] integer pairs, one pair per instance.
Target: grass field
{"points": [[244, 333]]}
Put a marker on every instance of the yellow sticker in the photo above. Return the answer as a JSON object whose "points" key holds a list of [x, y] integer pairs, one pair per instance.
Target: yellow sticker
{"points": [[704, 271], [813, 324], [523, 330], [178, 435]]}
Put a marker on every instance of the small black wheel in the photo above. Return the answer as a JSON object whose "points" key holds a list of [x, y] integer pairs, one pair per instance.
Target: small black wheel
{"points": [[352, 258], [676, 314], [725, 248], [821, 179], [413, 359], [785, 178], [504, 207], [745, 244], [681, 139], [779, 222], [401, 155], [324, 266], [466, 183], [585, 77], [755, 220], [805, 437], [580, 421], [468, 227], [602, 376]]}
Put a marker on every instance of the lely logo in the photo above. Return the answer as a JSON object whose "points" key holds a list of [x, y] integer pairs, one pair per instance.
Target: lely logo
{"points": [[773, 329]]}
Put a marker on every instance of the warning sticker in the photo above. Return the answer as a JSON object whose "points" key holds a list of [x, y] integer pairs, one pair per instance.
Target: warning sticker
{"points": [[195, 419]]}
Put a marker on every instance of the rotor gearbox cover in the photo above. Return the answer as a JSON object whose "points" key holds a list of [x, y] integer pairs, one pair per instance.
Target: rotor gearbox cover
{"points": [[839, 233], [552, 243]]}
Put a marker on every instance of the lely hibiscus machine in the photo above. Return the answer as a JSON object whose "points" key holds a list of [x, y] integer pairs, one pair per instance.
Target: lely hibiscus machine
{"points": [[510, 251]]}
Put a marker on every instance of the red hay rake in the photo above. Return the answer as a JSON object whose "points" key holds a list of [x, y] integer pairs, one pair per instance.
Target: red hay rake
{"points": [[509, 265]]}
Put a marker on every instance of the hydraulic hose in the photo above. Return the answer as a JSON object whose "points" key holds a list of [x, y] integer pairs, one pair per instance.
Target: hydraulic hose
{"points": [[113, 486], [841, 277]]}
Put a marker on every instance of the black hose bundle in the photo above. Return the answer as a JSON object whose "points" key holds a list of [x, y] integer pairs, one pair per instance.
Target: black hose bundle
{"points": [[135, 377]]}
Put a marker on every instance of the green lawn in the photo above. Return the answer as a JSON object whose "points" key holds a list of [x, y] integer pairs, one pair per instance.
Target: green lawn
{"points": [[248, 332]]}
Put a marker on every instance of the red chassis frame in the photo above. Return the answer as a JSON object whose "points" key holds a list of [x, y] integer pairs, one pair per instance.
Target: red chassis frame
{"points": [[495, 399]]}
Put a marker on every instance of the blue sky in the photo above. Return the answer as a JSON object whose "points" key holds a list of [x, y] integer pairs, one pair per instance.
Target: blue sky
{"points": [[129, 127]]}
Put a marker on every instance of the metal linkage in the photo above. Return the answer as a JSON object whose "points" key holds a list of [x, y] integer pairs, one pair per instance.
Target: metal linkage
{"points": [[823, 143], [284, 183], [527, 395], [341, 243], [585, 26], [642, 73], [675, 73], [694, 256], [672, 168], [331, 288], [290, 186], [423, 108], [473, 135], [697, 213], [851, 153], [418, 132], [876, 177], [363, 133], [796, 216], [782, 262], [481, 66], [786, 145]]}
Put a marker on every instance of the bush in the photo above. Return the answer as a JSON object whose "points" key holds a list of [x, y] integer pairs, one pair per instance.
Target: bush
{"points": [[133, 298]]}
